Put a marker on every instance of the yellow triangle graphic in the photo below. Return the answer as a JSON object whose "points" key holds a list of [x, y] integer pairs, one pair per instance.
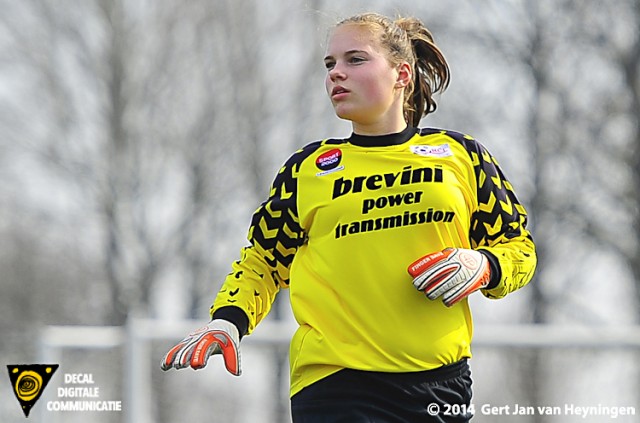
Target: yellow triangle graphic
{"points": [[28, 382]]}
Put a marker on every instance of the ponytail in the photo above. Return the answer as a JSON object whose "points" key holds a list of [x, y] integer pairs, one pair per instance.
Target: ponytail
{"points": [[431, 72]]}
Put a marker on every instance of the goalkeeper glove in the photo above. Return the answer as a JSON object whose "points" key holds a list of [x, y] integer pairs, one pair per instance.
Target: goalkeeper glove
{"points": [[452, 274], [218, 337]]}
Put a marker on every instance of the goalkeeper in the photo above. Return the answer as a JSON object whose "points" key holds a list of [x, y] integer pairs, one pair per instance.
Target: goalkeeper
{"points": [[381, 238]]}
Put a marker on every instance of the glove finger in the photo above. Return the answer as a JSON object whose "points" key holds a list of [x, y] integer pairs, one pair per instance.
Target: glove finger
{"points": [[217, 343], [455, 295], [183, 356], [231, 355], [441, 290], [462, 291], [170, 358], [442, 281], [449, 302], [203, 349], [429, 280], [183, 359], [420, 282]]}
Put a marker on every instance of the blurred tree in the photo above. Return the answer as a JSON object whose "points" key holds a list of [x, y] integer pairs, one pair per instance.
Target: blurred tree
{"points": [[615, 125], [580, 61], [135, 135], [153, 132]]}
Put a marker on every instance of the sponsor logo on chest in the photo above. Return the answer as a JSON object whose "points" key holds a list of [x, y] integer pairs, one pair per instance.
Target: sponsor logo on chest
{"points": [[407, 176], [329, 162]]}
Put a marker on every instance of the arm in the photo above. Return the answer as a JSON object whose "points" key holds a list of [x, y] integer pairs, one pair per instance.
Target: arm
{"points": [[263, 268], [502, 257], [249, 290], [498, 227]]}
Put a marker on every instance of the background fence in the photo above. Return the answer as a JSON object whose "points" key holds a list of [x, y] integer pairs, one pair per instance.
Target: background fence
{"points": [[587, 374]]}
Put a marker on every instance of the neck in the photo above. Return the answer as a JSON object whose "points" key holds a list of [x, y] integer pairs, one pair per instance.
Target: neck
{"points": [[384, 127]]}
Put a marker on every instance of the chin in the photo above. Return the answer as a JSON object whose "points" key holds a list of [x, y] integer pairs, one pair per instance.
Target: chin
{"points": [[344, 114]]}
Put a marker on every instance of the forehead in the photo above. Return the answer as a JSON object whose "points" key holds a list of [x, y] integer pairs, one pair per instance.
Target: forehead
{"points": [[347, 37]]}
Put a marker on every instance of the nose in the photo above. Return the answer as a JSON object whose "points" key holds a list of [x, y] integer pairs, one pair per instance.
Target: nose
{"points": [[336, 74]]}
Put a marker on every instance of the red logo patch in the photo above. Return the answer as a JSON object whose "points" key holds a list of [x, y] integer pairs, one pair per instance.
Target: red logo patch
{"points": [[329, 160]]}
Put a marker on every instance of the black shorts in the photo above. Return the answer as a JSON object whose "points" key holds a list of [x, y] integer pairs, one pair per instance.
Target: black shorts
{"points": [[352, 396]]}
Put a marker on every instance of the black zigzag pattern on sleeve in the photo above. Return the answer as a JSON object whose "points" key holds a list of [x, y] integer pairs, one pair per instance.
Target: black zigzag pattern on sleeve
{"points": [[275, 227], [499, 212]]}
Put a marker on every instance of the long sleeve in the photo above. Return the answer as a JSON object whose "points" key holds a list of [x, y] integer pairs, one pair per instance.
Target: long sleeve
{"points": [[274, 235], [499, 226]]}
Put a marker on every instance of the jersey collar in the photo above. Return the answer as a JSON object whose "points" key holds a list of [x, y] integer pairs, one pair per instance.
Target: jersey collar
{"points": [[383, 140]]}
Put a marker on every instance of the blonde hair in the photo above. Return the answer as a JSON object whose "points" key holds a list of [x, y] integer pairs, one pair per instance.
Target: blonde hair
{"points": [[409, 40]]}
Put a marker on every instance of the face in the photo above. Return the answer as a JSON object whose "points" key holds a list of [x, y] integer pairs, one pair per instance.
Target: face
{"points": [[361, 83]]}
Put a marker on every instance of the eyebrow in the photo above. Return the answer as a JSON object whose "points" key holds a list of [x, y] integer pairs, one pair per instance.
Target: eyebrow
{"points": [[347, 53]]}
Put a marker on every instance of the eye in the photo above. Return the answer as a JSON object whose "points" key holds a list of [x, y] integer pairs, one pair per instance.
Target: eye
{"points": [[329, 64], [355, 60]]}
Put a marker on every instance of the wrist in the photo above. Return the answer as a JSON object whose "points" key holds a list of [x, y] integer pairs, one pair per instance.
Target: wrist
{"points": [[494, 265], [234, 315]]}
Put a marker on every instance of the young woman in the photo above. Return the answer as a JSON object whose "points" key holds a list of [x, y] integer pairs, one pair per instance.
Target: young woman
{"points": [[346, 228]]}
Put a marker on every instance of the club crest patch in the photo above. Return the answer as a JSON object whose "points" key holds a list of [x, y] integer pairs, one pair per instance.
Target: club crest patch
{"points": [[442, 150]]}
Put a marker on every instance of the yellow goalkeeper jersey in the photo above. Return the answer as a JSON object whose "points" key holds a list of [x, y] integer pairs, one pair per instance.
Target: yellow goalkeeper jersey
{"points": [[344, 219]]}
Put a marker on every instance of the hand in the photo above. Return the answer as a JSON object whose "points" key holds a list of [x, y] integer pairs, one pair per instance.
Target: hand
{"points": [[452, 273], [218, 337]]}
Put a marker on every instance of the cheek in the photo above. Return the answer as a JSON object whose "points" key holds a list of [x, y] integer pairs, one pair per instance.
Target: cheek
{"points": [[374, 89]]}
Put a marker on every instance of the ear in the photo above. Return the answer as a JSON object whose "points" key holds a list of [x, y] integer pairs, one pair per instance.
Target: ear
{"points": [[405, 75]]}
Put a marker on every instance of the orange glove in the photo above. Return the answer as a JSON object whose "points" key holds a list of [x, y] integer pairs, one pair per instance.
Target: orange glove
{"points": [[218, 337], [452, 274]]}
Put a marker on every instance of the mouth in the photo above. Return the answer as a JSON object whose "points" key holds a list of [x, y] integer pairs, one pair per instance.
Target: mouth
{"points": [[337, 90]]}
